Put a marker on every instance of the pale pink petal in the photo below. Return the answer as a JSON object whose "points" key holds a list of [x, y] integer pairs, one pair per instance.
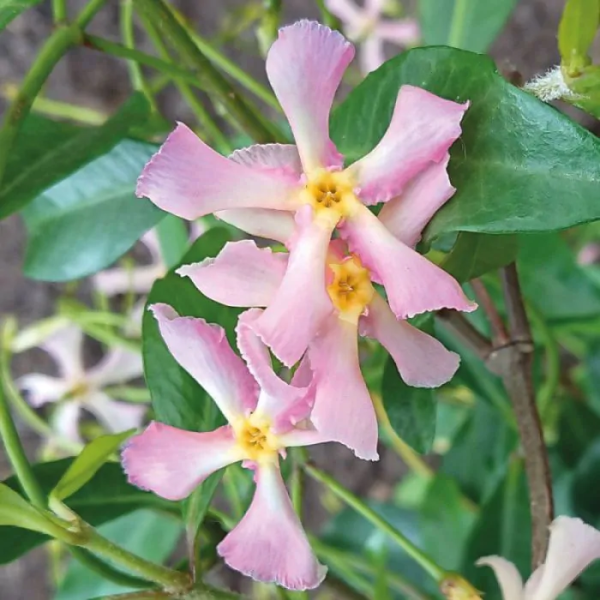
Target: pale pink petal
{"points": [[279, 159], [371, 55], [152, 243], [373, 8], [241, 275], [172, 462], [343, 410], [422, 129], [275, 225], [407, 215], [40, 389], [65, 421], [413, 284], [65, 346], [305, 66], [189, 179], [301, 303], [138, 280], [269, 543], [573, 546], [345, 10], [507, 575], [204, 352], [115, 416], [421, 360], [117, 366], [286, 405], [404, 32]]}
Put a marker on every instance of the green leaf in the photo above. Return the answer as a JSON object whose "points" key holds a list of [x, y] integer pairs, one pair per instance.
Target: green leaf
{"points": [[11, 9], [475, 254], [586, 486], [48, 152], [519, 166], [467, 24], [89, 220], [15, 511], [411, 410], [576, 32], [173, 238], [176, 397], [145, 533], [86, 465], [578, 428], [104, 498]]}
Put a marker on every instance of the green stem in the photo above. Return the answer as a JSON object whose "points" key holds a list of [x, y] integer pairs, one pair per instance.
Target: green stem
{"points": [[426, 562], [89, 12], [457, 24], [158, 13], [59, 11]]}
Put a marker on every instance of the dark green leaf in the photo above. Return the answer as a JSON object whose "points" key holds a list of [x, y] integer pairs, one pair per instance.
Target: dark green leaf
{"points": [[585, 488], [577, 31], [411, 410], [47, 152], [467, 24], [106, 497], [578, 428], [11, 9], [87, 221], [177, 399], [519, 166], [475, 254]]}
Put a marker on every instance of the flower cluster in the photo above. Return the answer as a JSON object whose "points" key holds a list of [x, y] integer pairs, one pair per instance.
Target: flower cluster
{"points": [[308, 305]]}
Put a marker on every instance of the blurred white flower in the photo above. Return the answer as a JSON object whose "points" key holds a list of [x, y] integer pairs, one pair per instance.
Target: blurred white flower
{"points": [[573, 546], [365, 26], [76, 388]]}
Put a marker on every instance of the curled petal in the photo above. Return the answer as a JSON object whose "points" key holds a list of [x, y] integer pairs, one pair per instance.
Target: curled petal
{"points": [[117, 366], [40, 388], [172, 462], [305, 66], [301, 303], [280, 159], [204, 352], [507, 575], [422, 361], [406, 215], [189, 179], [413, 284], [343, 410], [422, 129], [115, 416], [275, 225], [65, 346], [241, 275], [269, 543]]}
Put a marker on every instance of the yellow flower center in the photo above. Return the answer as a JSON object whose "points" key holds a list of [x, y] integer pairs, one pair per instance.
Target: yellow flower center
{"points": [[331, 194], [351, 289], [255, 439], [77, 391]]}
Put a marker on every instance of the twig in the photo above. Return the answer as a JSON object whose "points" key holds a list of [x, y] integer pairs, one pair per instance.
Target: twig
{"points": [[500, 336], [476, 341]]}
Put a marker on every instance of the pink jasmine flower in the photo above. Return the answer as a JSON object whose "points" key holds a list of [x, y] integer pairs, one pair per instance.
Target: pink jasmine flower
{"points": [[76, 388], [305, 66], [365, 26], [265, 415], [245, 275], [573, 546]]}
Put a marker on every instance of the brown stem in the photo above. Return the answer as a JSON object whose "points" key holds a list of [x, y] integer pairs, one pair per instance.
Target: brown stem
{"points": [[500, 336], [476, 341]]}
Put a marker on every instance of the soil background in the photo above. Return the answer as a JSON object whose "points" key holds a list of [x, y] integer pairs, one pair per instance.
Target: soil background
{"points": [[528, 44]]}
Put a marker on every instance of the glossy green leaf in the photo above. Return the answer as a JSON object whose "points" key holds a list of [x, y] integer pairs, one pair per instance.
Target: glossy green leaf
{"points": [[576, 32], [86, 465], [475, 254], [145, 533], [411, 410], [467, 24], [90, 219], [104, 498], [519, 166], [48, 152], [15, 511], [176, 398], [11, 9]]}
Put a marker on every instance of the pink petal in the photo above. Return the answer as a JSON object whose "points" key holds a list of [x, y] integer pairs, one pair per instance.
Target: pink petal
{"points": [[113, 415], [275, 225], [371, 55], [421, 360], [404, 32], [40, 388], [305, 66], [269, 543], [573, 546], [343, 410], [152, 243], [172, 462], [301, 303], [413, 284], [241, 275], [204, 352], [138, 280], [282, 160], [507, 575], [422, 129], [118, 365], [189, 179], [65, 346], [407, 215]]}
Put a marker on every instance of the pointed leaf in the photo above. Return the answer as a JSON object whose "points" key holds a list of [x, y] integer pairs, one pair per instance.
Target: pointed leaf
{"points": [[577, 31], [17, 512]]}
